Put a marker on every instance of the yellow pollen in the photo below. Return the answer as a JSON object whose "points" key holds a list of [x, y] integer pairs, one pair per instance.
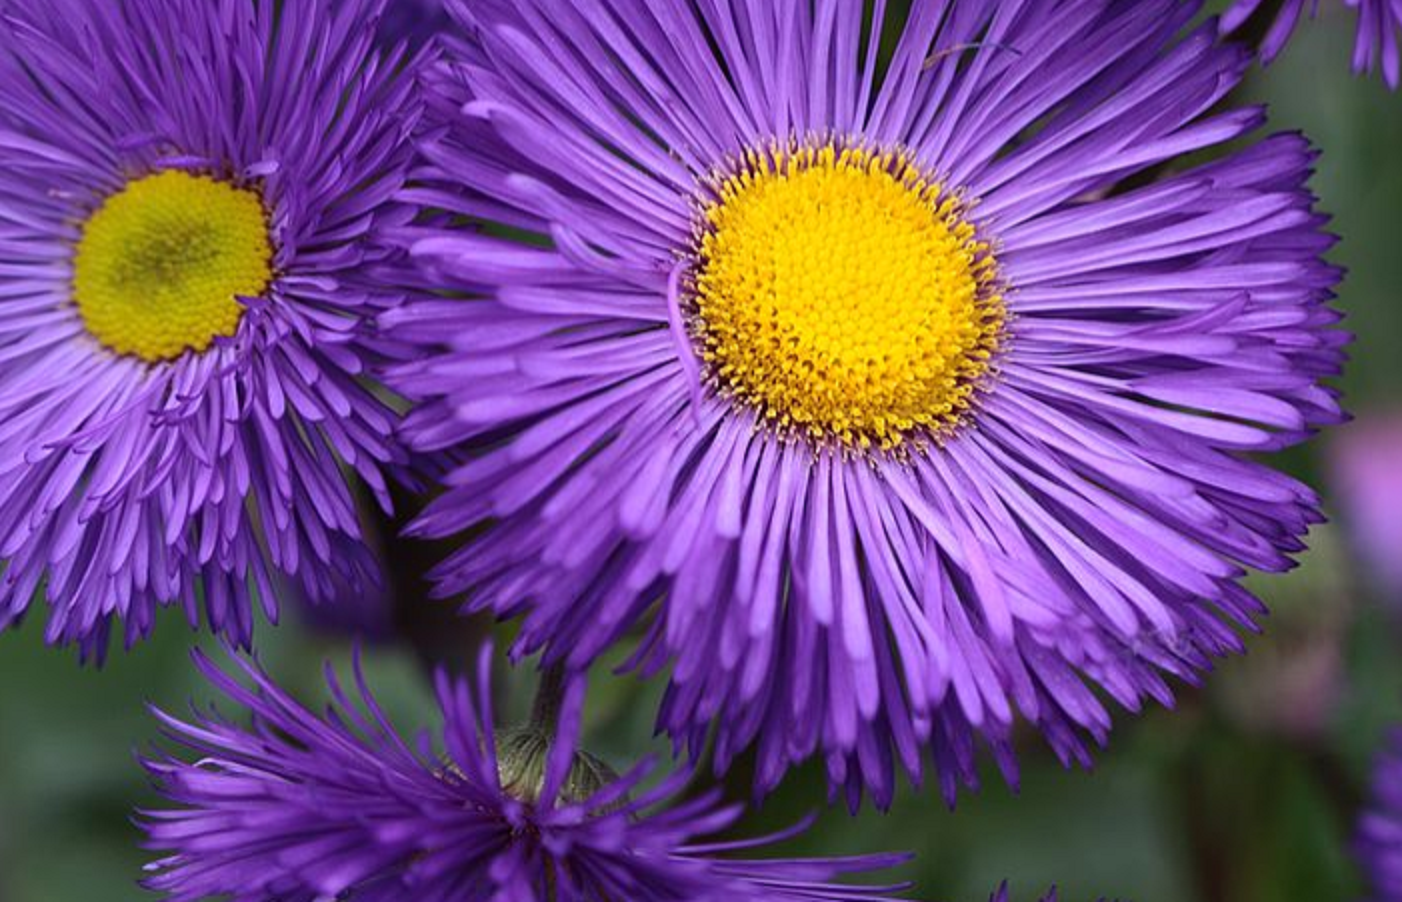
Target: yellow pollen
{"points": [[162, 263], [841, 293]]}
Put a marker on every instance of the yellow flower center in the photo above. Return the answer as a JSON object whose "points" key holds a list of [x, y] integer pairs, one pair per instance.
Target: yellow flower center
{"points": [[162, 263], [841, 293]]}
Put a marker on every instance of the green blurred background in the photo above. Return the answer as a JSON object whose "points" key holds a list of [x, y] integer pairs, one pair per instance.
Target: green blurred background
{"points": [[1247, 792]]}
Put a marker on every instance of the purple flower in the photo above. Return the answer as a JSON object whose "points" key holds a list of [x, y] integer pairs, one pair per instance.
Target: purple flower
{"points": [[1379, 843], [1379, 30], [901, 405], [299, 808], [1366, 465], [190, 197]]}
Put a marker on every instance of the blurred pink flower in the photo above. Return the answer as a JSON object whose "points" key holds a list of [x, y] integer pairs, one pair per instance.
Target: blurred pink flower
{"points": [[1366, 465]]}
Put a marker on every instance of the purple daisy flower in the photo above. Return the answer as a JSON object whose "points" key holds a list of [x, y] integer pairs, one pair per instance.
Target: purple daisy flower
{"points": [[1377, 43], [897, 398], [190, 197], [299, 807], [1379, 844], [1366, 471]]}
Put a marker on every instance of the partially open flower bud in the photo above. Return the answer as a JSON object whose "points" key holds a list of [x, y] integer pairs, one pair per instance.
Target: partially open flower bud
{"points": [[522, 753]]}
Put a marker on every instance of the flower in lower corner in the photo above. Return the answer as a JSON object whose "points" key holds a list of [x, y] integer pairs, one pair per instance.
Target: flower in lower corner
{"points": [[191, 194], [885, 404], [1378, 845], [1376, 44], [297, 806]]}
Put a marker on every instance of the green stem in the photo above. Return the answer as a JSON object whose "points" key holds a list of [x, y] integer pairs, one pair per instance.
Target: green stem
{"points": [[549, 697]]}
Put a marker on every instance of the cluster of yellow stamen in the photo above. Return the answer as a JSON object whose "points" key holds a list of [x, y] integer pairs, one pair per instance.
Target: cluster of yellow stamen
{"points": [[162, 263], [841, 292]]}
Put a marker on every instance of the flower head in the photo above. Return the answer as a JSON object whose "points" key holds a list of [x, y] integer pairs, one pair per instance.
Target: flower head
{"points": [[897, 397], [1376, 44], [1379, 843], [301, 807], [191, 194]]}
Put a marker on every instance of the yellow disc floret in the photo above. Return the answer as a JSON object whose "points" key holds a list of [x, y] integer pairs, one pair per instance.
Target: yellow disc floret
{"points": [[162, 263], [841, 292]]}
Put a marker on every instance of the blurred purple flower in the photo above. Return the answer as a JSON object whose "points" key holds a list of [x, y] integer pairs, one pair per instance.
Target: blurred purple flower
{"points": [[1376, 44], [1379, 842], [299, 808], [1366, 466]]}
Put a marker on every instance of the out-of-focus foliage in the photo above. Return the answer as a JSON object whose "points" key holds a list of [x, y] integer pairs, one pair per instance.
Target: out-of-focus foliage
{"points": [[1246, 793]]}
